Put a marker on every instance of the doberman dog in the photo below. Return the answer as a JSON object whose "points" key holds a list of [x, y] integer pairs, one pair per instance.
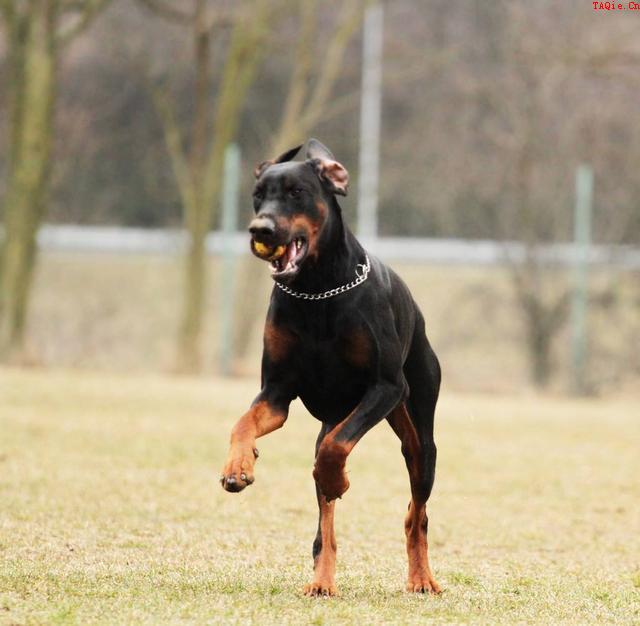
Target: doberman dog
{"points": [[345, 336]]}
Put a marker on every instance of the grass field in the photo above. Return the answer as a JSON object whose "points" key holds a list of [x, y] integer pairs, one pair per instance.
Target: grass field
{"points": [[110, 511]]}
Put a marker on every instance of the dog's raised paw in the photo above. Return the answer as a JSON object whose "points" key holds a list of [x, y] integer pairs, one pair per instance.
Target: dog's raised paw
{"points": [[235, 484], [238, 470]]}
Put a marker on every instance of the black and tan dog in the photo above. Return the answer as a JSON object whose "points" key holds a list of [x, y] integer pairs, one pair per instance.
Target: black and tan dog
{"points": [[345, 336]]}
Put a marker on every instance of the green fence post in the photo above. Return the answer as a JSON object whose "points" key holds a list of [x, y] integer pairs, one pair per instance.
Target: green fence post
{"points": [[580, 299], [229, 226]]}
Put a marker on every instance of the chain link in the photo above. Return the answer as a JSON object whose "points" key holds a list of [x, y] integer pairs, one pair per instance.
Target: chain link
{"points": [[362, 272]]}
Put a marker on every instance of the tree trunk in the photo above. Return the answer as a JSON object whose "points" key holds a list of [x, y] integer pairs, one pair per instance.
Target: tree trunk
{"points": [[206, 174], [544, 315], [190, 337], [189, 356], [539, 347], [32, 53]]}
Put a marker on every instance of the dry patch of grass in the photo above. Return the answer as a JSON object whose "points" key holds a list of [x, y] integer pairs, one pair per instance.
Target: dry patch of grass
{"points": [[110, 511]]}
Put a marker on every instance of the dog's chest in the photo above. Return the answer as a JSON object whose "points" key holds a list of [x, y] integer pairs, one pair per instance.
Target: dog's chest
{"points": [[333, 371], [340, 346]]}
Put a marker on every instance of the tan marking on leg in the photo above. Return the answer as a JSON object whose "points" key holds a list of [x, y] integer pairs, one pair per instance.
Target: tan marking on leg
{"points": [[420, 578], [328, 471], [259, 420], [324, 568]]}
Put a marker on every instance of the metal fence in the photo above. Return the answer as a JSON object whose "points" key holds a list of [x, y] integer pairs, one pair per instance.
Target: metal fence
{"points": [[116, 240]]}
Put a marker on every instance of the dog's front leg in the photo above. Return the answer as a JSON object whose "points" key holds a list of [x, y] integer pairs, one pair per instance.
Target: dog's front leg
{"points": [[265, 415], [377, 402], [269, 410]]}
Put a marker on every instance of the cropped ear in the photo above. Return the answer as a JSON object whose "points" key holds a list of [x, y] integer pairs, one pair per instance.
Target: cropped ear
{"points": [[285, 156], [317, 150], [330, 172]]}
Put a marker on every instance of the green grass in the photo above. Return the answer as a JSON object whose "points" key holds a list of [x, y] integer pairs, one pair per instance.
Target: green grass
{"points": [[110, 511]]}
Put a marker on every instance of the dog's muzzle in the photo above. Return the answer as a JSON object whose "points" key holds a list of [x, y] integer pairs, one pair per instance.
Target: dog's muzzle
{"points": [[263, 238], [263, 228]]}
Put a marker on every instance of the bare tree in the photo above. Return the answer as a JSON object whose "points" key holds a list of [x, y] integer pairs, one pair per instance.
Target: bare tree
{"points": [[313, 76], [534, 69], [198, 167], [503, 130], [37, 33]]}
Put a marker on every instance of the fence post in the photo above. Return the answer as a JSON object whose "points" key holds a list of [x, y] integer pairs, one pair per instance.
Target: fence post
{"points": [[229, 225], [370, 106], [580, 296]]}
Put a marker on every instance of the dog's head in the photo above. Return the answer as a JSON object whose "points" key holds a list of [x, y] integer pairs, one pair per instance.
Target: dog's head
{"points": [[293, 204]]}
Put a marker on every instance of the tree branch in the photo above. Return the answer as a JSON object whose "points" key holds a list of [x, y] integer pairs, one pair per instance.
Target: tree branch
{"points": [[245, 50], [7, 10], [340, 105], [202, 66], [216, 19], [89, 10], [167, 11], [173, 140], [299, 117], [349, 21], [289, 130]]}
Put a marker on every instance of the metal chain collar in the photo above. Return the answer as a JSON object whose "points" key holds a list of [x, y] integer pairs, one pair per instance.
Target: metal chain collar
{"points": [[362, 272]]}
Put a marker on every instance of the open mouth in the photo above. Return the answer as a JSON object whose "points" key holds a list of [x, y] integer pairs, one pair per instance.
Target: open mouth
{"points": [[284, 260], [287, 264]]}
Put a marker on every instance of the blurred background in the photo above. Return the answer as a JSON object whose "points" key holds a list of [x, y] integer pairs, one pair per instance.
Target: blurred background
{"points": [[503, 184]]}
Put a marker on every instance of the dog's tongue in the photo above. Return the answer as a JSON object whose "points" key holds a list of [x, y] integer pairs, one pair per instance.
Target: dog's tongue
{"points": [[290, 254]]}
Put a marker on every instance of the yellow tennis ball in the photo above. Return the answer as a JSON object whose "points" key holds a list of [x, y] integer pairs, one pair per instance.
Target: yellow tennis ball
{"points": [[279, 251], [261, 249]]}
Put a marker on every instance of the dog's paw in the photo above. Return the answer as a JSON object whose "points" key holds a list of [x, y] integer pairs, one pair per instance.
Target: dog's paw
{"points": [[320, 589], [238, 471], [423, 583]]}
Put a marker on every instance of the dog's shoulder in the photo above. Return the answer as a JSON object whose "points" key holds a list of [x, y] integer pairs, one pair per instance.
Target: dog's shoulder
{"points": [[387, 281]]}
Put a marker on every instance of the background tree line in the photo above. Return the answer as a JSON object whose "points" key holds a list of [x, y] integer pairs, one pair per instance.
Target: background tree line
{"points": [[488, 108], [459, 80]]}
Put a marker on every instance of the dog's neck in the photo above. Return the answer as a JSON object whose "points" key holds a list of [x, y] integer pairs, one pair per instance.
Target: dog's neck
{"points": [[339, 252]]}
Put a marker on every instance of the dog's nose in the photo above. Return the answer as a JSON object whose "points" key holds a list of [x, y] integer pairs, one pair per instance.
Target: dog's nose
{"points": [[262, 226]]}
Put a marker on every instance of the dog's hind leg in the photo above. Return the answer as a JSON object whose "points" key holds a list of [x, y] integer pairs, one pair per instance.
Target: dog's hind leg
{"points": [[412, 421], [419, 462], [324, 545]]}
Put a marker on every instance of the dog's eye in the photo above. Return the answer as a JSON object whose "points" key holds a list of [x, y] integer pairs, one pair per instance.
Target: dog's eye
{"points": [[295, 191]]}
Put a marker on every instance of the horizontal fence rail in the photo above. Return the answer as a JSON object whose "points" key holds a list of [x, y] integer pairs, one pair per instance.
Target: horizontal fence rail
{"points": [[107, 239]]}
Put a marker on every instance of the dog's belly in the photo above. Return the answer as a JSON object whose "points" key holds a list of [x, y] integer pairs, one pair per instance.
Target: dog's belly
{"points": [[329, 386]]}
